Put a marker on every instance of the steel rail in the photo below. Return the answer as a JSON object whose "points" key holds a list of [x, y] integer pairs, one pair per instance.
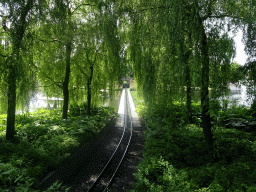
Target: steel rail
{"points": [[127, 113]]}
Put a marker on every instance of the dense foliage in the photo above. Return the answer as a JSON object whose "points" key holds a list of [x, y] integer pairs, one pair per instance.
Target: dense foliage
{"points": [[43, 142], [74, 49], [176, 47], [68, 49], [176, 157]]}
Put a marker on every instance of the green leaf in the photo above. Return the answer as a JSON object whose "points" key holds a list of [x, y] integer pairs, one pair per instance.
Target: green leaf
{"points": [[18, 178]]}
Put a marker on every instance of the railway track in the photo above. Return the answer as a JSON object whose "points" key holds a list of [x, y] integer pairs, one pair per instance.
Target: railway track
{"points": [[108, 172], [93, 167]]}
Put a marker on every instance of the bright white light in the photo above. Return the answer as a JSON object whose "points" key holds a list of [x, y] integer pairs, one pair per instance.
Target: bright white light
{"points": [[134, 115], [41, 101], [121, 105], [240, 53], [120, 119]]}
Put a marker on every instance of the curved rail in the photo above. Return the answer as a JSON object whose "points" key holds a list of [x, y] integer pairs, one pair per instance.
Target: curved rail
{"points": [[97, 185]]}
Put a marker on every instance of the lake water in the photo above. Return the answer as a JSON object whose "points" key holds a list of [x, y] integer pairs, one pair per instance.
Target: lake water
{"points": [[237, 96], [113, 101], [40, 101]]}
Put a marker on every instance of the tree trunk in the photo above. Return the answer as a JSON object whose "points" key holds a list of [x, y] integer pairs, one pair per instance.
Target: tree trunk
{"points": [[206, 120], [66, 82], [10, 130], [188, 85], [17, 34], [89, 96], [184, 54]]}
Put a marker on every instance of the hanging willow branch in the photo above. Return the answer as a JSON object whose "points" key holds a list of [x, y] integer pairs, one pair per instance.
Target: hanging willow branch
{"points": [[55, 83], [58, 84], [81, 70], [52, 41], [83, 4], [3, 55]]}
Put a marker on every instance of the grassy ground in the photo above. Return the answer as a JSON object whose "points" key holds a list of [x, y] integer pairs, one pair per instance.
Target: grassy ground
{"points": [[44, 142], [176, 157]]}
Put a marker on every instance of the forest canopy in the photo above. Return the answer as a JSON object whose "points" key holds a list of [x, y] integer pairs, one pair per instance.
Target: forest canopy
{"points": [[77, 49], [73, 49]]}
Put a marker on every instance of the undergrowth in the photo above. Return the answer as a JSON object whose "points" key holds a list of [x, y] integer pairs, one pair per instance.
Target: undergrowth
{"points": [[44, 142], [176, 157]]}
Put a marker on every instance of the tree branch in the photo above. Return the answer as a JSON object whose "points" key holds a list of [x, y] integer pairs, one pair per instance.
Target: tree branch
{"points": [[52, 41], [79, 88], [87, 57], [8, 16], [204, 18], [82, 70], [83, 4], [58, 84], [145, 9], [55, 83], [149, 8], [220, 17], [95, 58], [3, 55]]}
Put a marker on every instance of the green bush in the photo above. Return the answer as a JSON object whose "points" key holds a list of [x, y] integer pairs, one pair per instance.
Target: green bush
{"points": [[45, 142], [155, 174], [176, 157], [3, 119], [75, 110]]}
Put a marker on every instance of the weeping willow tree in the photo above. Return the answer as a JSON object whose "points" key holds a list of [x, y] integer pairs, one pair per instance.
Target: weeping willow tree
{"points": [[161, 51], [161, 54], [58, 29], [249, 38], [97, 57], [18, 70], [222, 49], [111, 44], [172, 42], [73, 33], [89, 75], [151, 61], [3, 84]]}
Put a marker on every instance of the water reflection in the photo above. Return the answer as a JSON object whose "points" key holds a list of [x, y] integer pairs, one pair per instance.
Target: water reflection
{"points": [[41, 101], [111, 101], [237, 96]]}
